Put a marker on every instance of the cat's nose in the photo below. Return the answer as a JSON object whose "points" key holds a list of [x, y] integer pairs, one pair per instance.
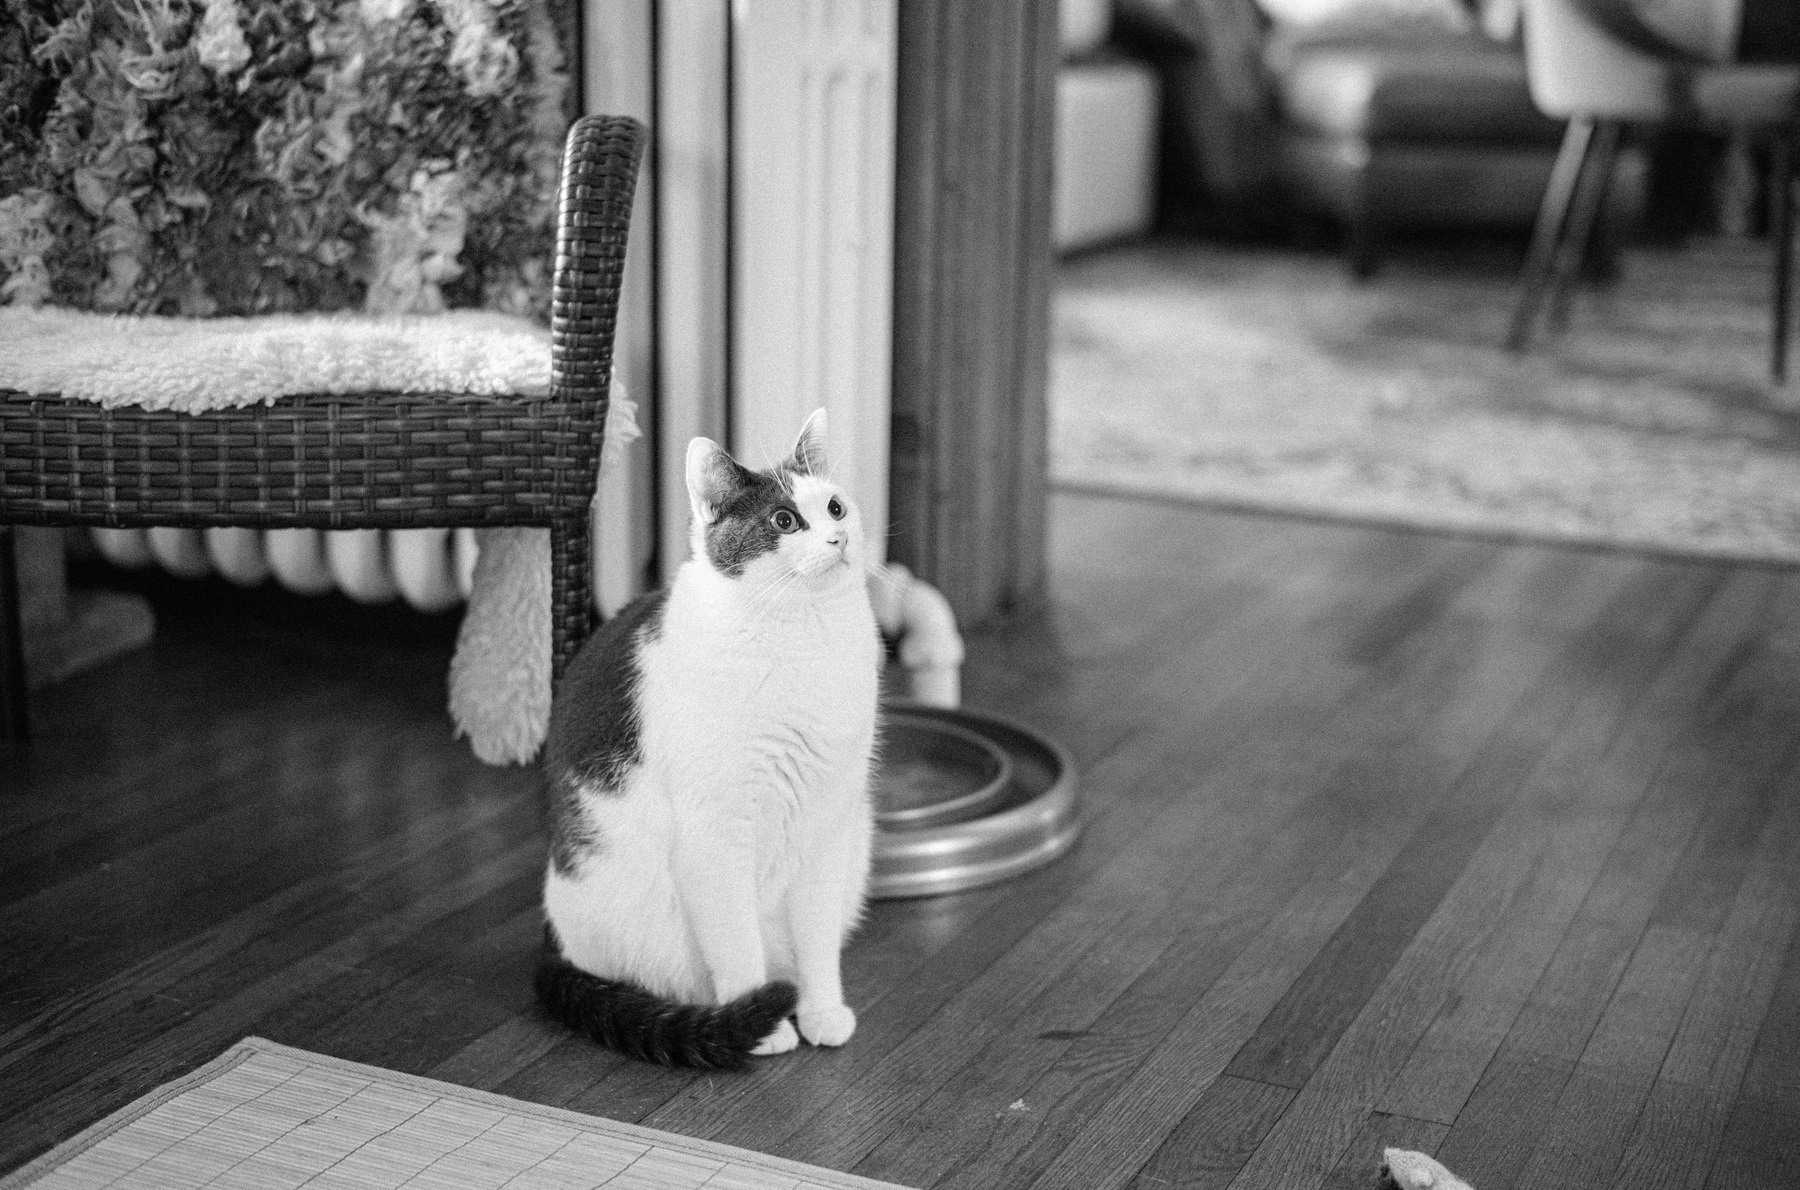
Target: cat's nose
{"points": [[838, 538]]}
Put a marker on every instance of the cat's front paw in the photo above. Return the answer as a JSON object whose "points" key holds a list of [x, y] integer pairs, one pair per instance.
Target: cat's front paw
{"points": [[831, 1025], [780, 1041]]}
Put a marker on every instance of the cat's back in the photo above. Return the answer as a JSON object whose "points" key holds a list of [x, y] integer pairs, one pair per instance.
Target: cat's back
{"points": [[595, 719]]}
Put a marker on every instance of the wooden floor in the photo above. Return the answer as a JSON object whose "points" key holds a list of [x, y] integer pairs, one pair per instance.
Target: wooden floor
{"points": [[1485, 849]]}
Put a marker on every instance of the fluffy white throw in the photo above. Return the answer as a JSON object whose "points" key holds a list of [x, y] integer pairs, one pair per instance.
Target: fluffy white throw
{"points": [[1410, 1170], [197, 364], [500, 676]]}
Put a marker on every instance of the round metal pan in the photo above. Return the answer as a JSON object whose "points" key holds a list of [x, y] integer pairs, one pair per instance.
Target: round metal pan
{"points": [[934, 772], [1031, 821]]}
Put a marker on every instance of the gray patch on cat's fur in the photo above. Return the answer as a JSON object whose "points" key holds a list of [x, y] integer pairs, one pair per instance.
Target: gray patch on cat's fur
{"points": [[594, 726], [740, 531], [574, 838]]}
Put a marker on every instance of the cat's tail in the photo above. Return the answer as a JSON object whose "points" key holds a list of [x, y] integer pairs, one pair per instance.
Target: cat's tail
{"points": [[639, 1023]]}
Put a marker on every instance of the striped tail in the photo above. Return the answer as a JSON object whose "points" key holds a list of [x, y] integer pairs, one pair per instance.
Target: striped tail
{"points": [[640, 1024]]}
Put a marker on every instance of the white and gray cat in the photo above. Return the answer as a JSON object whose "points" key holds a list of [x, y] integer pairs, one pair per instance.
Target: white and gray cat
{"points": [[708, 765]]}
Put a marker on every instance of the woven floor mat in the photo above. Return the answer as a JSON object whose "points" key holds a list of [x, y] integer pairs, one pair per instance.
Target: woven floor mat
{"points": [[264, 1115]]}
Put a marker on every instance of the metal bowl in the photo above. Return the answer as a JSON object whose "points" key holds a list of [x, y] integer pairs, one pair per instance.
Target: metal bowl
{"points": [[934, 772], [1028, 821]]}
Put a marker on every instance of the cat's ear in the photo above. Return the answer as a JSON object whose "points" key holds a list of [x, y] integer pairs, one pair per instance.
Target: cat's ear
{"points": [[712, 476], [809, 449]]}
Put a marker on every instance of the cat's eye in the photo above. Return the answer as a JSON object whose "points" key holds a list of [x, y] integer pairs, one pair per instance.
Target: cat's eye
{"points": [[836, 509], [784, 520]]}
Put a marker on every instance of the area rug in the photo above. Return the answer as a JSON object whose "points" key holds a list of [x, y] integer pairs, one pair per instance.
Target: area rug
{"points": [[263, 1115], [1267, 379]]}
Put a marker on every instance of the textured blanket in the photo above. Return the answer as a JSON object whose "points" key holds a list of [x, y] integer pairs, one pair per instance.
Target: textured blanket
{"points": [[197, 364]]}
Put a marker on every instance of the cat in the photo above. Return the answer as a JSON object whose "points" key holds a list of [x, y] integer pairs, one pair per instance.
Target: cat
{"points": [[708, 765]]}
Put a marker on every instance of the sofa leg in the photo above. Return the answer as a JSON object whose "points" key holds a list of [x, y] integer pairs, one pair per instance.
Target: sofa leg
{"points": [[15, 723], [1547, 235]]}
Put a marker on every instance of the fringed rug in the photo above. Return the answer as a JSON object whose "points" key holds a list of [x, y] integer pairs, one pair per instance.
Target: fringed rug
{"points": [[1268, 380], [263, 1115]]}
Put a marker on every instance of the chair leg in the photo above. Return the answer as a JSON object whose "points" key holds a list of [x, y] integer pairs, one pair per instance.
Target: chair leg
{"points": [[1590, 197], [15, 721], [1781, 230], [571, 592], [1578, 139]]}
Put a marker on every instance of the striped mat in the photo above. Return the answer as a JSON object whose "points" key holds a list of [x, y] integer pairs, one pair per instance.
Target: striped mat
{"points": [[263, 1115]]}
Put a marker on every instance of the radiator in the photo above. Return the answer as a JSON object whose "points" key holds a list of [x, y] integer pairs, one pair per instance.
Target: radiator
{"points": [[434, 569], [431, 569]]}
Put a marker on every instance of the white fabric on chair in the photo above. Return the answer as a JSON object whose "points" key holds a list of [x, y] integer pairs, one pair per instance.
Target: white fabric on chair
{"points": [[192, 365]]}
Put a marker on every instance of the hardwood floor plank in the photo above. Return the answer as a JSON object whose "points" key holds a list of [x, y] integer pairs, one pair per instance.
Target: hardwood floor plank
{"points": [[1371, 798], [562, 1071], [1170, 1081], [1595, 1114], [149, 898], [98, 823], [1511, 1107], [1084, 1079], [318, 987], [1211, 659], [1206, 1150], [1679, 1130], [1360, 1166], [108, 1020], [218, 651], [81, 750], [1611, 766], [1310, 1137], [471, 979], [1761, 1147]]}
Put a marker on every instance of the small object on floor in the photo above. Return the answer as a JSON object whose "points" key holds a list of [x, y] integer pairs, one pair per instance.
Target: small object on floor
{"points": [[1415, 1171], [265, 1114]]}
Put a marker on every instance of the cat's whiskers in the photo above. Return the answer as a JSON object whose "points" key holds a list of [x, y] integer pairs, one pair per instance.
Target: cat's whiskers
{"points": [[764, 597]]}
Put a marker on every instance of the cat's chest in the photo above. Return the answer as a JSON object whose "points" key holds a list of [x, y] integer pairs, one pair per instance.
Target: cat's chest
{"points": [[821, 673]]}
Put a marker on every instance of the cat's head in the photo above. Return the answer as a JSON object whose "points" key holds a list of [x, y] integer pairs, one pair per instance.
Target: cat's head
{"points": [[788, 522]]}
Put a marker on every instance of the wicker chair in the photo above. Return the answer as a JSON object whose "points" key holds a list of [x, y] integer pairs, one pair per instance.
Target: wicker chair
{"points": [[377, 460]]}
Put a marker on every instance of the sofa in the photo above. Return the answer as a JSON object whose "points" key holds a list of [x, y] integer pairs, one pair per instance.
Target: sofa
{"points": [[1404, 129], [1374, 115]]}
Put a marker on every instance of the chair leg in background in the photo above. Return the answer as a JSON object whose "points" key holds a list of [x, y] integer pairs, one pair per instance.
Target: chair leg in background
{"points": [[15, 722], [1584, 214], [1781, 231], [1547, 235]]}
